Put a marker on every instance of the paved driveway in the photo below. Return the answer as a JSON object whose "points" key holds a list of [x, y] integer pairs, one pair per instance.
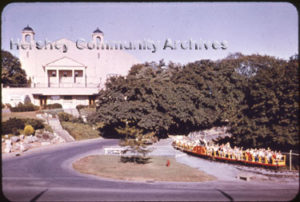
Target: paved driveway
{"points": [[45, 174]]}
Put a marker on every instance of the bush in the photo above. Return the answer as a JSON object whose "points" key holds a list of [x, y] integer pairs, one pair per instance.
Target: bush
{"points": [[15, 131], [79, 107], [25, 107], [53, 106], [28, 130], [11, 125], [35, 123], [88, 112], [77, 120], [14, 124], [63, 116], [27, 100]]}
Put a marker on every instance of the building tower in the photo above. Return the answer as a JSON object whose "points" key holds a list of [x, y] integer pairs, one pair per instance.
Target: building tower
{"points": [[27, 52], [27, 35], [97, 38]]}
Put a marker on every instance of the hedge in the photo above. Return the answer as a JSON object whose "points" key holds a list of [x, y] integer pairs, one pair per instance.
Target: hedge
{"points": [[79, 107], [12, 125], [53, 106], [25, 107], [65, 117]]}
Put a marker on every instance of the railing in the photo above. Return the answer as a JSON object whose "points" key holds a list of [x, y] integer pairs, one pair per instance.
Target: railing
{"points": [[66, 85], [293, 161], [54, 85]]}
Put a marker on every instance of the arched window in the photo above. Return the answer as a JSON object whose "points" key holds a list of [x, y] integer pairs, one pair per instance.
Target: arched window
{"points": [[98, 39], [98, 42], [27, 38]]}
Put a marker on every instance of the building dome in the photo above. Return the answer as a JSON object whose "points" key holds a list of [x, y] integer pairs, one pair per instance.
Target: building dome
{"points": [[98, 31], [28, 28]]}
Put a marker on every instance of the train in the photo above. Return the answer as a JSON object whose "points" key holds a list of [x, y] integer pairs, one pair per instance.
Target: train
{"points": [[246, 158]]}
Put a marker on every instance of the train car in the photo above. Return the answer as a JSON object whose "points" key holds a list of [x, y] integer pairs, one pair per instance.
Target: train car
{"points": [[245, 158]]}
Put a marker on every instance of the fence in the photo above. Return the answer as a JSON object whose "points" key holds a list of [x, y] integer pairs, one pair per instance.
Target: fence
{"points": [[292, 160]]}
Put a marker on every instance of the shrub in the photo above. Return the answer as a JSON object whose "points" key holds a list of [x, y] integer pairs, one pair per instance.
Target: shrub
{"points": [[24, 107], [63, 116], [14, 124], [28, 130], [11, 125], [79, 107], [77, 120], [15, 131], [88, 112], [53, 106], [35, 123], [27, 100]]}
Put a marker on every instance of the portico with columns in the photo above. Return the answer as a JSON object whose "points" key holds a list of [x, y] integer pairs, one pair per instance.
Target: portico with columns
{"points": [[65, 72]]}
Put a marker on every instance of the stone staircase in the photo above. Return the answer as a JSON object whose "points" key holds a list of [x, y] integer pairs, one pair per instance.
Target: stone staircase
{"points": [[56, 127]]}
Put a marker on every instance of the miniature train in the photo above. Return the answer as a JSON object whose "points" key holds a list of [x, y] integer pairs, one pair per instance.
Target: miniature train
{"points": [[244, 158]]}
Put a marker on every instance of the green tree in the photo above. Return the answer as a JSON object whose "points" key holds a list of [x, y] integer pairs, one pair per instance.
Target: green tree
{"points": [[172, 99], [12, 74], [135, 143], [269, 117]]}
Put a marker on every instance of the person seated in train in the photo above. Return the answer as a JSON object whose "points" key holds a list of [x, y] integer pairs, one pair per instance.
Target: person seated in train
{"points": [[205, 142], [236, 153], [279, 156], [269, 157], [248, 154], [256, 158], [227, 146]]}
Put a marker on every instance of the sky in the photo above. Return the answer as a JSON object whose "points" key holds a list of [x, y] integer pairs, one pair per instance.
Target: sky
{"points": [[249, 28]]}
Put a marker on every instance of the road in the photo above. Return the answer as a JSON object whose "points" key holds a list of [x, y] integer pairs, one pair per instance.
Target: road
{"points": [[46, 174]]}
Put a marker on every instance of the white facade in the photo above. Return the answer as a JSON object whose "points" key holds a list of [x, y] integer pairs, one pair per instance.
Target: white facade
{"points": [[65, 72]]}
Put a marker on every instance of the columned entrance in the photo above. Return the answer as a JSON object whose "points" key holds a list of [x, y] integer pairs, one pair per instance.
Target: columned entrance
{"points": [[65, 72], [92, 100], [43, 101]]}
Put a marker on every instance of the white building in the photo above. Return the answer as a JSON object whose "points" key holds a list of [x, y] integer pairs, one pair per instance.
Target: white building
{"points": [[66, 72]]}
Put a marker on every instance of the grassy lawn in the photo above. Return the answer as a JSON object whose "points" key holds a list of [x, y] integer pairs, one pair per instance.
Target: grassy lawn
{"points": [[80, 131], [109, 166], [22, 115]]}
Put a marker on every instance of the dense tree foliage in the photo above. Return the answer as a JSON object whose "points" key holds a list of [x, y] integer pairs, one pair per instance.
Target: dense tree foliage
{"points": [[270, 114], [167, 99], [257, 96], [12, 74]]}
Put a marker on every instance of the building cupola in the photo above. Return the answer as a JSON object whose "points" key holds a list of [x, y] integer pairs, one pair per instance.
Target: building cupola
{"points": [[97, 36], [28, 34], [98, 31]]}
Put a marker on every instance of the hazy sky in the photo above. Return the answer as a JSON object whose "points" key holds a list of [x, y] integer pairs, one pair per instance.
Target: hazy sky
{"points": [[264, 28]]}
